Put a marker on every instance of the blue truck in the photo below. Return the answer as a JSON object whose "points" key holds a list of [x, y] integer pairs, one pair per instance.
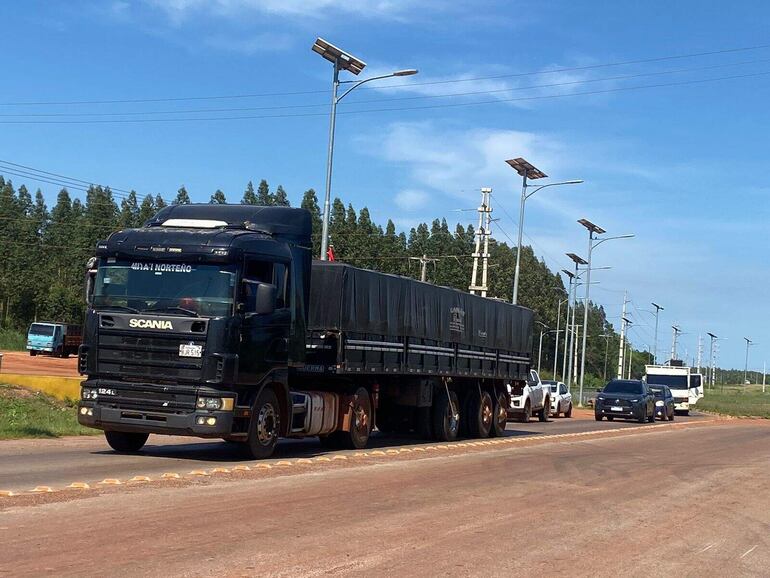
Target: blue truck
{"points": [[56, 339]]}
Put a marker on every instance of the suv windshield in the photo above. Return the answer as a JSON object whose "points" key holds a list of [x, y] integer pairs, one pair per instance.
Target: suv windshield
{"points": [[167, 287], [623, 387]]}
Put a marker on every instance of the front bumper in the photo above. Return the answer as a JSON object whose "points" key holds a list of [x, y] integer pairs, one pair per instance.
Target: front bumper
{"points": [[627, 412], [682, 405], [136, 420]]}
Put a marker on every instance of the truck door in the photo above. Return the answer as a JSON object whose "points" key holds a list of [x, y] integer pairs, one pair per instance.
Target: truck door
{"points": [[264, 335]]}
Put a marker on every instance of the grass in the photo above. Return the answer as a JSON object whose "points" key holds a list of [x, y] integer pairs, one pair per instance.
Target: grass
{"points": [[12, 340], [737, 400], [29, 414]]}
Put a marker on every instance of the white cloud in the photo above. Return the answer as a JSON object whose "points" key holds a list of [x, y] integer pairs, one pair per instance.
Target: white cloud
{"points": [[411, 199], [250, 45]]}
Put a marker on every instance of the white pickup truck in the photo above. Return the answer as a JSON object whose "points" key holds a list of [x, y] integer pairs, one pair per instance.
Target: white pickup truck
{"points": [[531, 397]]}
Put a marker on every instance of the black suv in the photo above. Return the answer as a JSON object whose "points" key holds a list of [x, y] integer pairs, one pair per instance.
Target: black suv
{"points": [[626, 398]]}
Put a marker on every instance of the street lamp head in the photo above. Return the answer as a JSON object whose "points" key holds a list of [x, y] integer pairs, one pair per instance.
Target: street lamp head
{"points": [[525, 169], [591, 227], [338, 57], [658, 307], [407, 72], [577, 259], [712, 335], [569, 274]]}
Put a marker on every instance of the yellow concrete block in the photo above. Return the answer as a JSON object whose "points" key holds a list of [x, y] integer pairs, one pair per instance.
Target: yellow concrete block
{"points": [[59, 387]]}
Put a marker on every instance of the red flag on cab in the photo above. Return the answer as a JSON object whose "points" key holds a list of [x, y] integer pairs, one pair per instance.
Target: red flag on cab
{"points": [[330, 253]]}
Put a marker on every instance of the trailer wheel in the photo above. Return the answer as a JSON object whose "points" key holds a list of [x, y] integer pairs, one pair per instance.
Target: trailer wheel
{"points": [[499, 416], [480, 414], [126, 442], [446, 416], [32, 353], [265, 425]]}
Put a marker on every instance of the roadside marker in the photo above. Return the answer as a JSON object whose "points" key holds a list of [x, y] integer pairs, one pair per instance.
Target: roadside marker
{"points": [[79, 486], [377, 453], [340, 457], [42, 489], [170, 476], [405, 451], [264, 466], [241, 468], [391, 452], [360, 455], [7, 494], [322, 459], [220, 471], [111, 482], [140, 479], [198, 473], [304, 461], [419, 449], [284, 463]]}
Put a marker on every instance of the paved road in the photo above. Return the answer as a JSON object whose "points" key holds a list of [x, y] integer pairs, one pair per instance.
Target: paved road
{"points": [[59, 462], [683, 501]]}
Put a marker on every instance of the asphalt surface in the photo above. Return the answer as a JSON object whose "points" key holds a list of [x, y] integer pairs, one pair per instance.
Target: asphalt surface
{"points": [[28, 463], [689, 500]]}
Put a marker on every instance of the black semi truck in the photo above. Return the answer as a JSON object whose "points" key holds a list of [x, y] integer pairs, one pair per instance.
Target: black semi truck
{"points": [[213, 321]]}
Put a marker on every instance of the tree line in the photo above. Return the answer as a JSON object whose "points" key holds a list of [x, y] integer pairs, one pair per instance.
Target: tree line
{"points": [[45, 251]]}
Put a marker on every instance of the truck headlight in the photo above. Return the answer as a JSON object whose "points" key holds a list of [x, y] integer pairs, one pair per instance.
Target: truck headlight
{"points": [[212, 403]]}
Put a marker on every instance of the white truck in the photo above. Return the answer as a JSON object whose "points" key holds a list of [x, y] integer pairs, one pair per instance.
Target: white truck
{"points": [[530, 398], [685, 385]]}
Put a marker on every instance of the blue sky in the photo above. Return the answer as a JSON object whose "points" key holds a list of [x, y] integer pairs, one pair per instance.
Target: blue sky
{"points": [[681, 166]]}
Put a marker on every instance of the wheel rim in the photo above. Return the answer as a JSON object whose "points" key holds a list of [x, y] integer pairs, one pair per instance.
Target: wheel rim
{"points": [[266, 424], [360, 420], [452, 419], [486, 413], [502, 414]]}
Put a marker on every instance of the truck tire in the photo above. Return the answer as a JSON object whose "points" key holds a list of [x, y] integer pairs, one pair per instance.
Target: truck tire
{"points": [[446, 422], [360, 425], [480, 414], [424, 423], [527, 414], [500, 416], [126, 442], [568, 413], [543, 414], [264, 428], [32, 353]]}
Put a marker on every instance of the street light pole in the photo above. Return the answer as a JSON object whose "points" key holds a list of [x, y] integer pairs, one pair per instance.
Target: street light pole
{"points": [[746, 365], [592, 230], [342, 61], [540, 348], [658, 309], [567, 327], [556, 347], [574, 278], [527, 171]]}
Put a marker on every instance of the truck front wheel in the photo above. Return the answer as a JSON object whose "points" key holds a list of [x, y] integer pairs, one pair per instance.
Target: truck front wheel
{"points": [[126, 442], [446, 416], [265, 425]]}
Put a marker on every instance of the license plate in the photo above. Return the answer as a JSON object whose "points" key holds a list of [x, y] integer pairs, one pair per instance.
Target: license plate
{"points": [[616, 408], [190, 350]]}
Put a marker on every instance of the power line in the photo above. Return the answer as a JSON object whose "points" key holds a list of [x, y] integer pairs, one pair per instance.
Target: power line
{"points": [[381, 100], [427, 83], [392, 109]]}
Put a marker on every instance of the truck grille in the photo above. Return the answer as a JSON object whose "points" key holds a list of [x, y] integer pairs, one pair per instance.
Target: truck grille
{"points": [[149, 398], [147, 357]]}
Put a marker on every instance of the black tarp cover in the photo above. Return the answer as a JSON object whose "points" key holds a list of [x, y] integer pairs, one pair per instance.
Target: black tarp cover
{"points": [[349, 299]]}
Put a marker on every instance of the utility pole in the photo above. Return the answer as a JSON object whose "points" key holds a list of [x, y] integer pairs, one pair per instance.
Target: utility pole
{"points": [[424, 260], [567, 326], [621, 349], [575, 366], [482, 236], [710, 375], [630, 359], [700, 351], [749, 342], [676, 332], [558, 330]]}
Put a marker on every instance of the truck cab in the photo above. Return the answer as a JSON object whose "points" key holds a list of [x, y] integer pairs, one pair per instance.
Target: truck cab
{"points": [[685, 386], [56, 339]]}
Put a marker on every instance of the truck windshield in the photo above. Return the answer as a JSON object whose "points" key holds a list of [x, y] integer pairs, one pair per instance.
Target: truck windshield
{"points": [[171, 287], [672, 381], [40, 329]]}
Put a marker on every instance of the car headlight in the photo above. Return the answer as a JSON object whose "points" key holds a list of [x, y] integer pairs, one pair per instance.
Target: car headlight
{"points": [[659, 403], [633, 400]]}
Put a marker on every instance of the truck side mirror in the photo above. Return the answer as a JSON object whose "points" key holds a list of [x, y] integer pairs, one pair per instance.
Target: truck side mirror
{"points": [[90, 281], [259, 297]]}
